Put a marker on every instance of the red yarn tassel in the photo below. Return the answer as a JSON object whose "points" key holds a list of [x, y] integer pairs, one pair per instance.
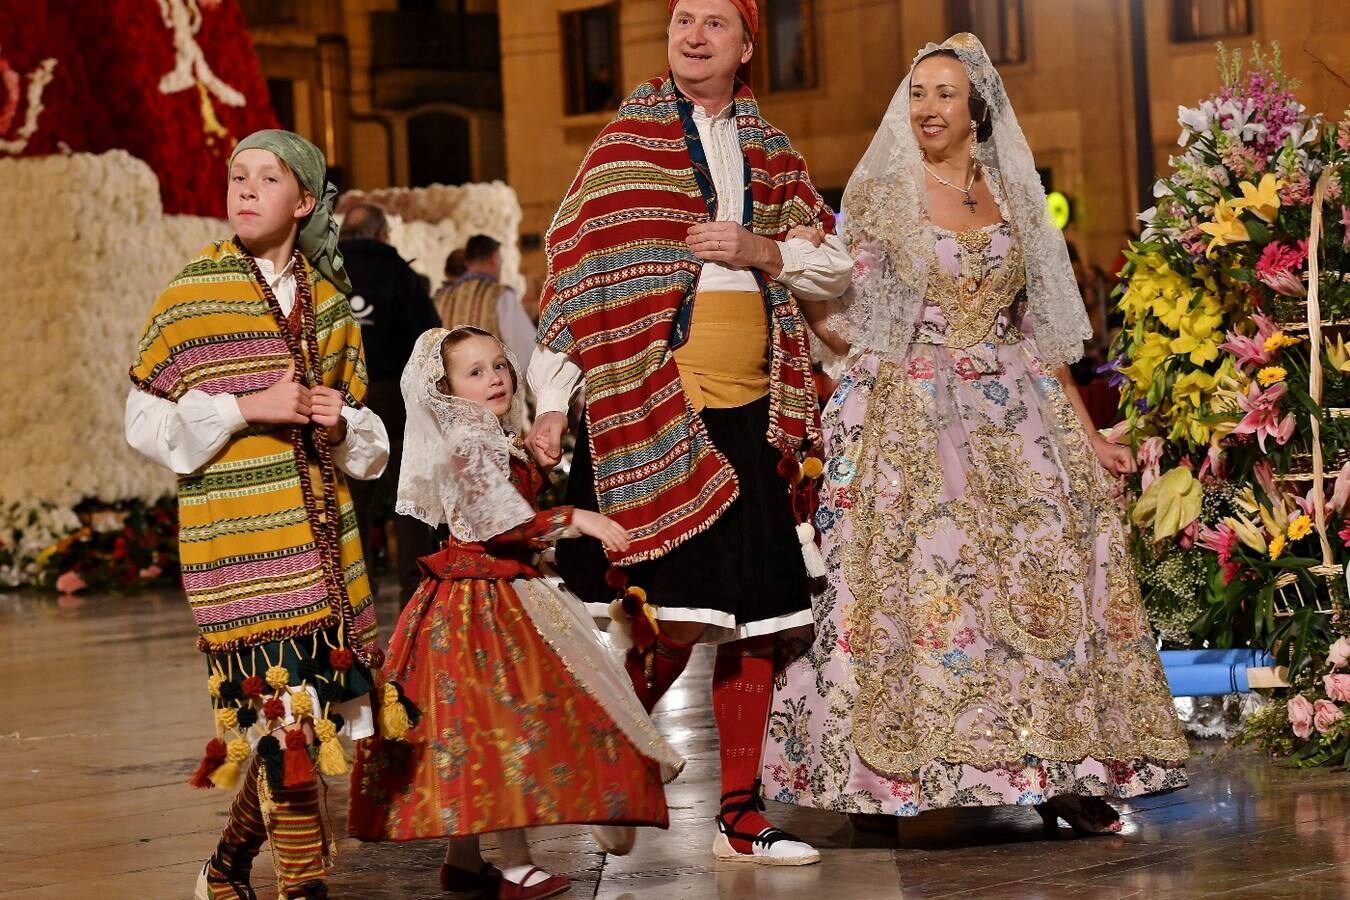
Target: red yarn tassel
{"points": [[212, 760], [299, 768]]}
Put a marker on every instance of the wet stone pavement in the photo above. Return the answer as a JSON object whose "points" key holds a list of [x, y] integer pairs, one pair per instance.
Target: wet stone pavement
{"points": [[102, 718]]}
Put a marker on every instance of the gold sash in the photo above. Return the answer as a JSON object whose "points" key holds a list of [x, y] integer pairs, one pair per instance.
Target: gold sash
{"points": [[725, 362]]}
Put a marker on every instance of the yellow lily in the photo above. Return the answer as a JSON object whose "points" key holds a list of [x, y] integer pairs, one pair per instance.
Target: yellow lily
{"points": [[1197, 337], [1171, 503], [1147, 355], [1247, 532], [1192, 387], [1246, 500], [1227, 227], [1338, 355], [1275, 518], [1262, 200]]}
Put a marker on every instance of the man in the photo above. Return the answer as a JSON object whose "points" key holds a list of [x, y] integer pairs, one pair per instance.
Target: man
{"points": [[390, 302], [479, 298], [670, 265]]}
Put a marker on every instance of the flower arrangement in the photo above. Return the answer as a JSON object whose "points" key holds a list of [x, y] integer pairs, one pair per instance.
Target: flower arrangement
{"points": [[1218, 370], [102, 546]]}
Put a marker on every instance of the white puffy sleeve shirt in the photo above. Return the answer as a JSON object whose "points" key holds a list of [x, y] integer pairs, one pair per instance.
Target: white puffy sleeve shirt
{"points": [[185, 435], [812, 274]]}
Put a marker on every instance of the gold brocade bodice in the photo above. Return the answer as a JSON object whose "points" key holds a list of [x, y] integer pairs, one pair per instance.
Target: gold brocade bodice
{"points": [[975, 283]]}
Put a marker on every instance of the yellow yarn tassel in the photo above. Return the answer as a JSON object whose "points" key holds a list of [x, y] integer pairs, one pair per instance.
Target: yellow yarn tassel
{"points": [[227, 776], [394, 723], [266, 805], [332, 761]]}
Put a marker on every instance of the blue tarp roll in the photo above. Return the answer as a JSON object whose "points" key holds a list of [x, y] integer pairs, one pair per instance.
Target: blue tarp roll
{"points": [[1207, 679], [1243, 655]]}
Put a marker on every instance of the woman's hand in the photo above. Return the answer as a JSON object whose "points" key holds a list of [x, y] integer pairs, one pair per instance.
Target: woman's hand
{"points": [[609, 533], [1117, 459], [545, 440], [813, 233]]}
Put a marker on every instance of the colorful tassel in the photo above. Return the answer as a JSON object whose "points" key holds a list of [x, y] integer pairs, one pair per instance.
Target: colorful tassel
{"points": [[278, 677], [227, 718], [394, 722], [815, 563], [340, 658], [226, 777], [273, 764], [298, 767], [274, 709], [211, 760], [213, 683], [254, 686], [414, 714], [332, 761], [302, 704]]}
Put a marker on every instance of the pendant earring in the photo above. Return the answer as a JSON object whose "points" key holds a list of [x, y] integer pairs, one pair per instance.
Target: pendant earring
{"points": [[973, 139]]}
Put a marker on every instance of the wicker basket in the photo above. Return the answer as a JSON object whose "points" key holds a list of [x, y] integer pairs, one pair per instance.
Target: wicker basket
{"points": [[1331, 588]]}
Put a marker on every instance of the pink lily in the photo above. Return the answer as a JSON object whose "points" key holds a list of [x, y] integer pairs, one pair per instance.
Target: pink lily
{"points": [[1149, 457], [1250, 352], [1262, 410], [1341, 492]]}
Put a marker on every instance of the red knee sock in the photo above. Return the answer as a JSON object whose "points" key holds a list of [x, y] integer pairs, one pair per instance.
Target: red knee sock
{"points": [[655, 671], [741, 693]]}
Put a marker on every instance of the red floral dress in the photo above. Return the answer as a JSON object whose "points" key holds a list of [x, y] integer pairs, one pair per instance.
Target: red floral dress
{"points": [[509, 737]]}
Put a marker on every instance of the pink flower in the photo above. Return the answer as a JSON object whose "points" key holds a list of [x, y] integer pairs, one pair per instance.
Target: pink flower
{"points": [[1344, 534], [1262, 414], [1221, 540], [70, 582], [1337, 686], [1339, 654], [1341, 492], [1279, 268], [1325, 714], [1345, 223], [1251, 351], [1149, 456], [151, 571], [1301, 714]]}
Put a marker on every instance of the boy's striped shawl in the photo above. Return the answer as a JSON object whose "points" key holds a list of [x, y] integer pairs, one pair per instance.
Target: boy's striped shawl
{"points": [[252, 521], [619, 274]]}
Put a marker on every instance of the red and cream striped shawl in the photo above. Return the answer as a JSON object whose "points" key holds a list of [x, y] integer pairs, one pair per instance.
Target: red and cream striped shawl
{"points": [[619, 273]]}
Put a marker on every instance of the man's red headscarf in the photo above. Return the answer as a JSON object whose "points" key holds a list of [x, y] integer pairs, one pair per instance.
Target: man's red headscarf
{"points": [[749, 10]]}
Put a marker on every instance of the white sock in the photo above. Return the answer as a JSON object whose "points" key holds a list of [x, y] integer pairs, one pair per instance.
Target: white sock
{"points": [[516, 875]]}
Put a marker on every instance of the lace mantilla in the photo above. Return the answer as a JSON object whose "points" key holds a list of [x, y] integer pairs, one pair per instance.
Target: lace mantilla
{"points": [[456, 453], [886, 208]]}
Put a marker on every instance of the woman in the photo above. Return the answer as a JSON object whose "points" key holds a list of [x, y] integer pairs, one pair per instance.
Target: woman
{"points": [[982, 641]]}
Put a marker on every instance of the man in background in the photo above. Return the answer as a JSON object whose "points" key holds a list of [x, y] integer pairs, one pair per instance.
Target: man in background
{"points": [[479, 298], [391, 303]]}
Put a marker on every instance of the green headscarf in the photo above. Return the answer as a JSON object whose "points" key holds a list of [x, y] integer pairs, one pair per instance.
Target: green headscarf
{"points": [[318, 238]]}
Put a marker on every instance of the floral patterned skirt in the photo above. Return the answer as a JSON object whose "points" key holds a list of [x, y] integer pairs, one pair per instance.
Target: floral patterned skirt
{"points": [[982, 640], [509, 738]]}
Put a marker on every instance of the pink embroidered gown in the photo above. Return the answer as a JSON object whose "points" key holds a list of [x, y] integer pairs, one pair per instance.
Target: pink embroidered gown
{"points": [[982, 641]]}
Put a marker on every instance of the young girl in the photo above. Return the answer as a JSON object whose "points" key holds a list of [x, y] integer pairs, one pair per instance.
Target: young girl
{"points": [[248, 382], [527, 719]]}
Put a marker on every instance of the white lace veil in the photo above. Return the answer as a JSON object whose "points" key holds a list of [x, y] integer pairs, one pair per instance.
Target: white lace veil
{"points": [[886, 202], [456, 453]]}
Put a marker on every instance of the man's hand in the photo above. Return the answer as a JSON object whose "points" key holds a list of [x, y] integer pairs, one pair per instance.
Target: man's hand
{"points": [[730, 244], [545, 441], [287, 402]]}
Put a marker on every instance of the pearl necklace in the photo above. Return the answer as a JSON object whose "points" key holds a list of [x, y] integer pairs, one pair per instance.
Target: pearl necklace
{"points": [[970, 202]]}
